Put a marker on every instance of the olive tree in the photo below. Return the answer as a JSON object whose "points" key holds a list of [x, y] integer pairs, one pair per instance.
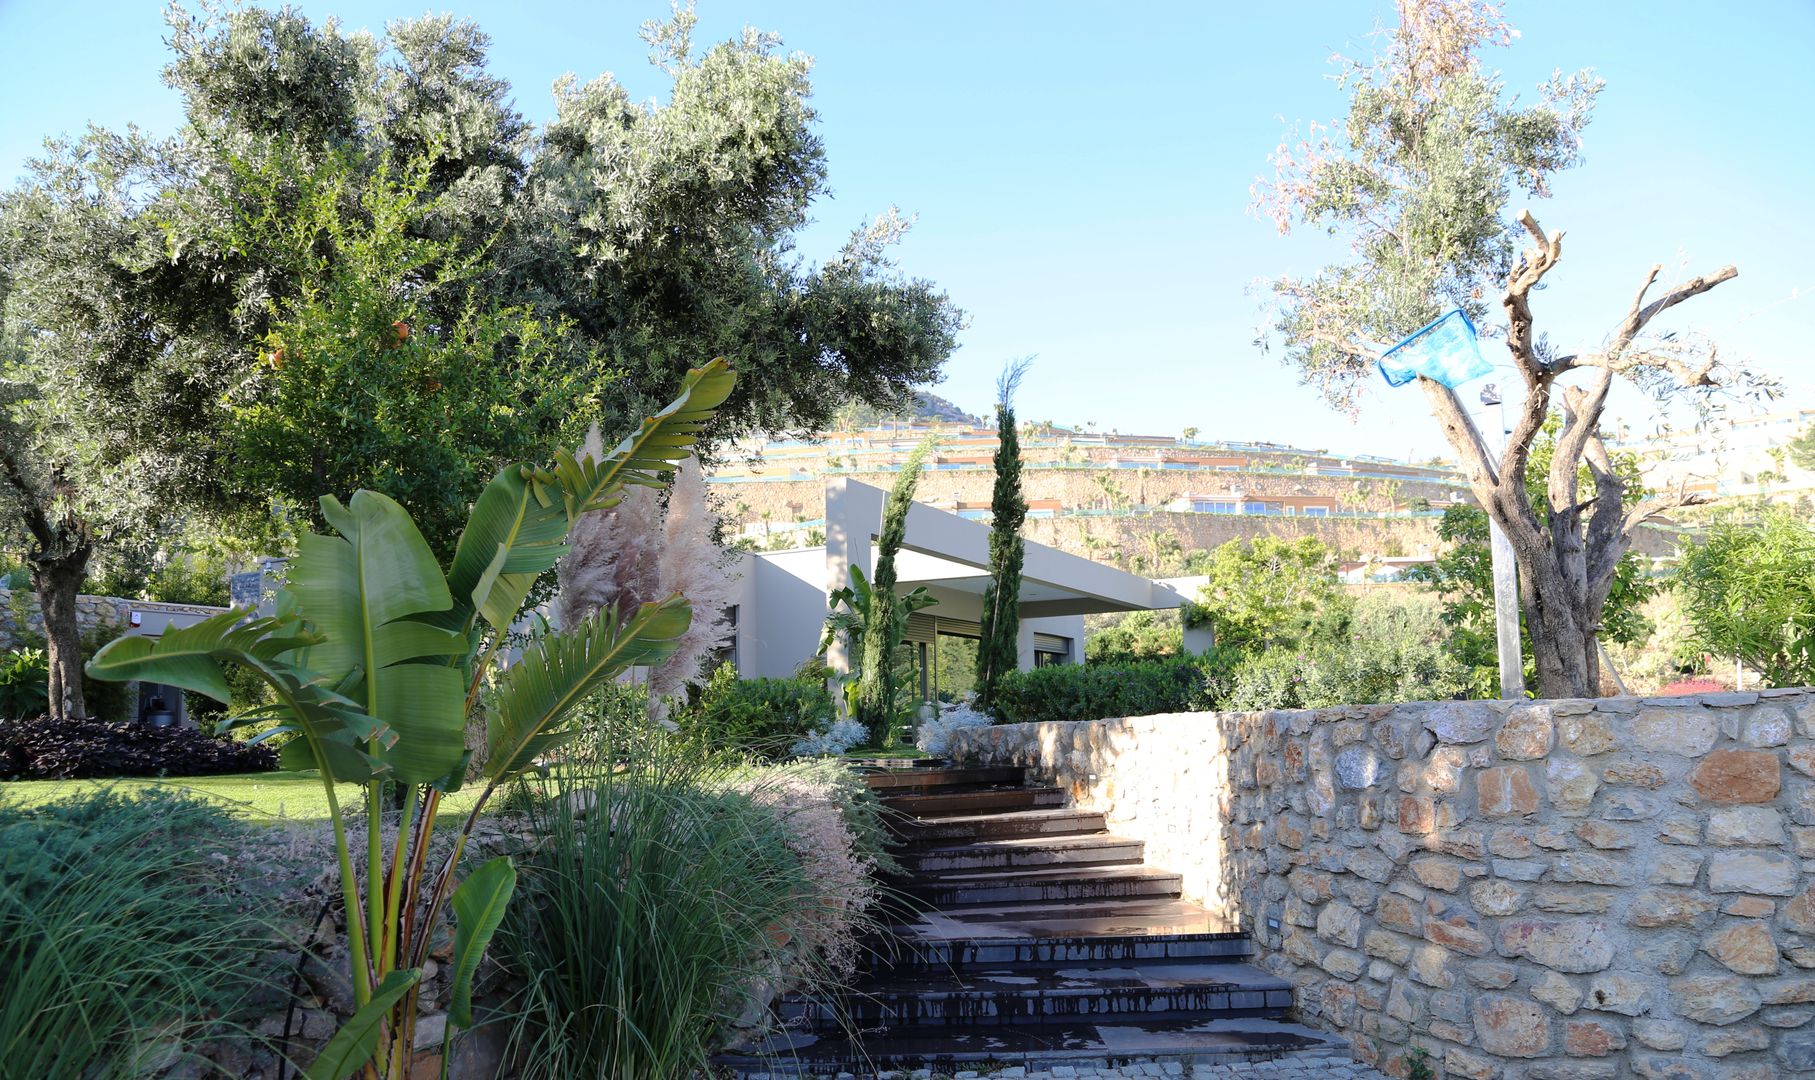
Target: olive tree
{"points": [[1419, 178]]}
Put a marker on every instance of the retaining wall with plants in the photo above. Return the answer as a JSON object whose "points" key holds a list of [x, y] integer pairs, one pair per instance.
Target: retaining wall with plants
{"points": [[1555, 890]]}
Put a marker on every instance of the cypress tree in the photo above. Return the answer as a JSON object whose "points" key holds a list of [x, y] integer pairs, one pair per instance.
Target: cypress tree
{"points": [[999, 651], [883, 623]]}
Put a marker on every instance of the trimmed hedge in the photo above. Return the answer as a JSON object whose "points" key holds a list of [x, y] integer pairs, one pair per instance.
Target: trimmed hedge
{"points": [[1101, 691], [40, 748], [764, 717]]}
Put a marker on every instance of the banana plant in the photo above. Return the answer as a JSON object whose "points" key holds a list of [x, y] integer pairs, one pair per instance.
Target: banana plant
{"points": [[376, 657], [847, 612]]}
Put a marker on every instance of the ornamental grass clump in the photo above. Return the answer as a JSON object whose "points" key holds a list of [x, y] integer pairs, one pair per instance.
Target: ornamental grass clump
{"points": [[670, 898], [124, 946]]}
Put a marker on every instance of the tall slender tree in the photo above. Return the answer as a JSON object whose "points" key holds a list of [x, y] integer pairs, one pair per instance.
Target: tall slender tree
{"points": [[999, 649], [882, 627]]}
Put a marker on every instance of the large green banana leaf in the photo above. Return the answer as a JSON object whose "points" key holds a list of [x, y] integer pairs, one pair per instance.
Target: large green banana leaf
{"points": [[336, 733], [364, 591], [518, 528], [561, 670]]}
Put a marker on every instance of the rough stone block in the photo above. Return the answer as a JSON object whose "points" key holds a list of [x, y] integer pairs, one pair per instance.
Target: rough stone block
{"points": [[1528, 733], [1639, 774], [1387, 946], [1745, 947], [1511, 843], [1674, 868], [1357, 768], [1417, 814], [1737, 776], [1573, 901], [1570, 945], [1767, 725], [1668, 907], [1659, 1034], [1511, 1027], [1572, 786], [1613, 992], [1435, 872], [1799, 912], [1749, 907], [1520, 869], [1586, 734], [1339, 924], [1558, 993], [1735, 1040], [1714, 999], [1746, 826], [1621, 804], [1768, 873], [1579, 866], [1398, 913], [1496, 898], [1461, 722], [1602, 835], [1506, 791], [1685, 731], [1343, 963], [1683, 832], [1802, 758], [1491, 976], [1796, 1051], [1592, 1038]]}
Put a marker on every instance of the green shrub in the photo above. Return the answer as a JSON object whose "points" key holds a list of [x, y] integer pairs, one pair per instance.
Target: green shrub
{"points": [[1099, 691], [758, 716], [117, 921], [666, 898], [1136, 637], [24, 683], [1364, 671]]}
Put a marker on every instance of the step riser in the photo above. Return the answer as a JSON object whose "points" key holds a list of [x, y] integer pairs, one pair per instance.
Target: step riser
{"points": [[905, 782], [1014, 859], [944, 896], [942, 956], [1005, 800], [998, 828], [1004, 1009]]}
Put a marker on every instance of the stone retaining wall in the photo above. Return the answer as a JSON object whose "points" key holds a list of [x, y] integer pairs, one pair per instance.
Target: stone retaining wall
{"points": [[1561, 890], [19, 610]]}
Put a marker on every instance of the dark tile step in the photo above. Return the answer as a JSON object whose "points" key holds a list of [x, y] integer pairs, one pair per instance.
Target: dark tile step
{"points": [[1045, 885], [979, 801], [949, 956], [1108, 1043], [1058, 822], [1158, 990], [895, 780], [885, 764], [1023, 853], [1032, 923]]}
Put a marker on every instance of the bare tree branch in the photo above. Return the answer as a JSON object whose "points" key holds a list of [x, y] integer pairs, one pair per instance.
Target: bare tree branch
{"points": [[1533, 265]]}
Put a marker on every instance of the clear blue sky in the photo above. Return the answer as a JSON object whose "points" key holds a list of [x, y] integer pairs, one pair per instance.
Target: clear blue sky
{"points": [[1081, 171]]}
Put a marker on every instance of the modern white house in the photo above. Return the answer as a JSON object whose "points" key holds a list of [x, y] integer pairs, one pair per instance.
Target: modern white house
{"points": [[780, 610]]}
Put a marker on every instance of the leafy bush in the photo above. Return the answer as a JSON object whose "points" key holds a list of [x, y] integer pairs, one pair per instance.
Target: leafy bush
{"points": [[765, 717], [1138, 636], [1365, 671], [669, 900], [1749, 591], [24, 683], [1098, 691], [39, 748], [117, 921]]}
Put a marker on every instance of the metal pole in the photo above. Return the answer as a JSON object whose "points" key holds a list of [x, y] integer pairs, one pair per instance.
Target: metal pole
{"points": [[1506, 587]]}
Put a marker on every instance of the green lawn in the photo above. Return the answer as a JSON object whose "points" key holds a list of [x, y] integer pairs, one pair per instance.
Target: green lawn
{"points": [[297, 796]]}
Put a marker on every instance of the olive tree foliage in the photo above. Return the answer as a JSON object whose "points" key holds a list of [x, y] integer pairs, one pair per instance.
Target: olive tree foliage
{"points": [[191, 290], [72, 494], [1419, 178]]}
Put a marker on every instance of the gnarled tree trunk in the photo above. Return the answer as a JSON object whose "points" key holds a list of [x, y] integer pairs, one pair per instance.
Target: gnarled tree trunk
{"points": [[57, 580]]}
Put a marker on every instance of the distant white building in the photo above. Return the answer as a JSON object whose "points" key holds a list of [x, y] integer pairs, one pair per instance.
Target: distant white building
{"points": [[780, 611]]}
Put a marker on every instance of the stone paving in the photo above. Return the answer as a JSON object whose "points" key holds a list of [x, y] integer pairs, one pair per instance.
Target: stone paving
{"points": [[1311, 1065]]}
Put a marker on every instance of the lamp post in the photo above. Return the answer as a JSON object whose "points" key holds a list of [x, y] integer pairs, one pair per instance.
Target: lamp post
{"points": [[1506, 578]]}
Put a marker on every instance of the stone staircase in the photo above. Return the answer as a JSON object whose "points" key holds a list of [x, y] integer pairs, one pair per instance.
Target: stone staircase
{"points": [[1024, 933]]}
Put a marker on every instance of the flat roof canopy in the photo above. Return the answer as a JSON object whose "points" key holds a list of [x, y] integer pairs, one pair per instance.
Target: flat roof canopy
{"points": [[944, 550]]}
